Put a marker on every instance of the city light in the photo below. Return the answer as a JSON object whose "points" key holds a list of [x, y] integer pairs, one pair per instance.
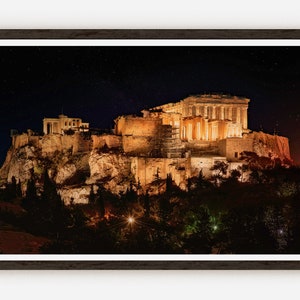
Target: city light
{"points": [[130, 220]]}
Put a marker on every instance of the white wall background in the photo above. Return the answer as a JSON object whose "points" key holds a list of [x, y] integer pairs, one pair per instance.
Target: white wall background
{"points": [[93, 14], [155, 14]]}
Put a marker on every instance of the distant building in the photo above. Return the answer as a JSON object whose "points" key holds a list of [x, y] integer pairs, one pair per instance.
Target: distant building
{"points": [[62, 124]]}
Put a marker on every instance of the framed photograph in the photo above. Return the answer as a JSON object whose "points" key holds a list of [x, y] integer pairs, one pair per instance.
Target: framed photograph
{"points": [[149, 149]]}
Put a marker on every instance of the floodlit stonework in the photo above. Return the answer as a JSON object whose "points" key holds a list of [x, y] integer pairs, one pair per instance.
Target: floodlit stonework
{"points": [[208, 117], [63, 123], [197, 126], [180, 139]]}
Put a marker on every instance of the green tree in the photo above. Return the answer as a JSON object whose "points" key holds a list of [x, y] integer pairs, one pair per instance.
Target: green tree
{"points": [[197, 231]]}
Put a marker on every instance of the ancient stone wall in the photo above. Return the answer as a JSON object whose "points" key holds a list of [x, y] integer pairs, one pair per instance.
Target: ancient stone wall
{"points": [[137, 126], [262, 144], [232, 148], [24, 139], [20, 140], [111, 141], [54, 142], [139, 135], [140, 145]]}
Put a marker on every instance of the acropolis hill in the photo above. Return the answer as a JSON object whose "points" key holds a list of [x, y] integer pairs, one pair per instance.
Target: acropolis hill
{"points": [[180, 139]]}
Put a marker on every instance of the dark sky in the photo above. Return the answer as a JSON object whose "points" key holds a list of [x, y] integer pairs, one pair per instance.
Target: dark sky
{"points": [[100, 83]]}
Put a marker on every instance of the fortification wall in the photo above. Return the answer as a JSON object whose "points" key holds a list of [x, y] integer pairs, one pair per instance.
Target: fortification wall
{"points": [[231, 148], [82, 144], [138, 126], [56, 142], [138, 134], [138, 145], [50, 143], [19, 141], [111, 141], [262, 144], [23, 139]]}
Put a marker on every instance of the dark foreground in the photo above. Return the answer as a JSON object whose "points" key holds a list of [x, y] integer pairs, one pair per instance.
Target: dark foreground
{"points": [[224, 216]]}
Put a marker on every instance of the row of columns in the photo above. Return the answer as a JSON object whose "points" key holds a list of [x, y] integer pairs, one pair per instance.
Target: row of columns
{"points": [[236, 114], [209, 131]]}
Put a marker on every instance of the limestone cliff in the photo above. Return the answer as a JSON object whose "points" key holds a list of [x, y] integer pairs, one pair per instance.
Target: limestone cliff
{"points": [[74, 172], [79, 163]]}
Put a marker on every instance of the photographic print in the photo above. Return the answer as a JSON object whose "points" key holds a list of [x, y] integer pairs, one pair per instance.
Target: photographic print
{"points": [[144, 149]]}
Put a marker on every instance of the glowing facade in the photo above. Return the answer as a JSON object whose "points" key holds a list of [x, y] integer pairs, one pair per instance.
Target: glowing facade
{"points": [[209, 117], [63, 123], [196, 126]]}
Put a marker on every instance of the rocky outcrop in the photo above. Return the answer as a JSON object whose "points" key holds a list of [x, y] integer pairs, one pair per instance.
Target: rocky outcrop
{"points": [[64, 173], [77, 163], [20, 163], [111, 169], [78, 195], [74, 173], [272, 146]]}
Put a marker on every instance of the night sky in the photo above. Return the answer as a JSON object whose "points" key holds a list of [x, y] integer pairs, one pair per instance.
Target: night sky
{"points": [[99, 83]]}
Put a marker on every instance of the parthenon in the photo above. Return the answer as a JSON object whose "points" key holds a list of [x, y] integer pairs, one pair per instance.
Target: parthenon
{"points": [[181, 139], [202, 125], [207, 117], [199, 126]]}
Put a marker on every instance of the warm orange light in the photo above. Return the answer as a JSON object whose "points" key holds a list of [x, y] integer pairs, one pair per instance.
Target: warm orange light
{"points": [[130, 220]]}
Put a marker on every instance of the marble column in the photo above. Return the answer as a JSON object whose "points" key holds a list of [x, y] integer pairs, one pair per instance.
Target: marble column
{"points": [[190, 131], [44, 127], [206, 129], [198, 132], [198, 110], [205, 111], [230, 113], [213, 115], [183, 132], [238, 115], [245, 118], [222, 113]]}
